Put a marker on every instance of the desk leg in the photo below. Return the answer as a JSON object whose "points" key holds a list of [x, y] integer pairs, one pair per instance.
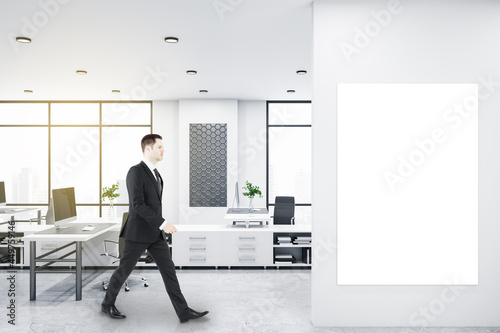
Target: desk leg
{"points": [[78, 271], [32, 271]]}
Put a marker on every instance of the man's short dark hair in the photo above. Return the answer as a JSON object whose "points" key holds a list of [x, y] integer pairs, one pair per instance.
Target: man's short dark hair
{"points": [[149, 140]]}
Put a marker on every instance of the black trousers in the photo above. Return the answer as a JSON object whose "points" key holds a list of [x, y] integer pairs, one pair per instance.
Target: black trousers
{"points": [[160, 252]]}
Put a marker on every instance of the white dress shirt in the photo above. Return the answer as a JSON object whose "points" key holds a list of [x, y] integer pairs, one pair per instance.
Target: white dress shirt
{"points": [[152, 168]]}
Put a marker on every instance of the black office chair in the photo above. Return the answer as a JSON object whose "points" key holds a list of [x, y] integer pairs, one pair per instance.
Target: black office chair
{"points": [[284, 210], [118, 254]]}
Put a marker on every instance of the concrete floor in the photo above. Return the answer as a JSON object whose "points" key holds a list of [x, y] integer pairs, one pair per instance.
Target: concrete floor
{"points": [[243, 301]]}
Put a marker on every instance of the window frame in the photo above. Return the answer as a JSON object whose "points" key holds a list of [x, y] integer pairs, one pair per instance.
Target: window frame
{"points": [[267, 145], [100, 126]]}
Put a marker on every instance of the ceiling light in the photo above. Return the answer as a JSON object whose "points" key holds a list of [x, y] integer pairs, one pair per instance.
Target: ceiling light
{"points": [[23, 39], [301, 72], [191, 72], [291, 91], [115, 91], [81, 72], [28, 91], [203, 91], [171, 39]]}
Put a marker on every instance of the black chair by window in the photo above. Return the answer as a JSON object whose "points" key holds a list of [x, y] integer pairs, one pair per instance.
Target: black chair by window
{"points": [[118, 251], [284, 210]]}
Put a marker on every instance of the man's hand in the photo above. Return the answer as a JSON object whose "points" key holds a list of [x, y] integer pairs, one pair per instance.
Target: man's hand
{"points": [[169, 228]]}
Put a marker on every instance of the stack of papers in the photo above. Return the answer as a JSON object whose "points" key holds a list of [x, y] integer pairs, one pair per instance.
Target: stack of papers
{"points": [[284, 240], [284, 258], [302, 240]]}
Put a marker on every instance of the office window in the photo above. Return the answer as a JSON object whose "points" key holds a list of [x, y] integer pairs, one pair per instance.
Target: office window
{"points": [[82, 142], [289, 156], [121, 148], [75, 161], [126, 114], [24, 113], [24, 166], [74, 114]]}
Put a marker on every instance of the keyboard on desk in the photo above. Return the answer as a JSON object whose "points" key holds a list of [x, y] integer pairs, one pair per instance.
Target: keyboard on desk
{"points": [[76, 228]]}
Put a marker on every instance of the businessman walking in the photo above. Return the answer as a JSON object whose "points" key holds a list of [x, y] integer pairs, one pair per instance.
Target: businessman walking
{"points": [[145, 230]]}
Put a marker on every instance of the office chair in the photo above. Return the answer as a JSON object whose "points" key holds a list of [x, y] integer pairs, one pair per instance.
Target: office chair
{"points": [[284, 210], [117, 255]]}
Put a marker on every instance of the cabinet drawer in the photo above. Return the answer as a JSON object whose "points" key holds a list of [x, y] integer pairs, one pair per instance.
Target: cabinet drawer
{"points": [[248, 249], [194, 249]]}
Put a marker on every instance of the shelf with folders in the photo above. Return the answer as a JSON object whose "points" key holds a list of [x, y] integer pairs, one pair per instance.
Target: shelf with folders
{"points": [[292, 239], [292, 256], [292, 249]]}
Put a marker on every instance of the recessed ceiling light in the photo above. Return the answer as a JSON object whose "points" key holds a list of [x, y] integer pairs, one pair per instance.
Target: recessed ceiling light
{"points": [[203, 91], [81, 72], [23, 39], [115, 91], [301, 72], [291, 91], [191, 72], [171, 39], [28, 91]]}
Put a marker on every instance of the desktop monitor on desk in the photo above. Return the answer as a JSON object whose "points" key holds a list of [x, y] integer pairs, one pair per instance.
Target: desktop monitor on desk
{"points": [[3, 200], [62, 208], [236, 198]]}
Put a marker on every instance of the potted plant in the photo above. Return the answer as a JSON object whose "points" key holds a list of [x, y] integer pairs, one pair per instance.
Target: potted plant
{"points": [[110, 194], [251, 191]]}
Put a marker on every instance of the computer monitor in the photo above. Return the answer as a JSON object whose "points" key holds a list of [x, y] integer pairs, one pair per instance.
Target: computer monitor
{"points": [[3, 200], [62, 208], [236, 197]]}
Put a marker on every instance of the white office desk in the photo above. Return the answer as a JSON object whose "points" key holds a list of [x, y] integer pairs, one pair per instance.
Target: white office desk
{"points": [[10, 214], [73, 234], [233, 246]]}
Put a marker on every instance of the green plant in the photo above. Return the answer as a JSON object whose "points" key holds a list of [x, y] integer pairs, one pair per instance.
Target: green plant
{"points": [[251, 190], [109, 192]]}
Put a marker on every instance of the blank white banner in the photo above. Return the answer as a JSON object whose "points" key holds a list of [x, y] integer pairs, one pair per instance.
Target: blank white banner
{"points": [[407, 180]]}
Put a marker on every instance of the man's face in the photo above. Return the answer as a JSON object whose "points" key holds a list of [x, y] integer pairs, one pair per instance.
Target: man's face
{"points": [[157, 150]]}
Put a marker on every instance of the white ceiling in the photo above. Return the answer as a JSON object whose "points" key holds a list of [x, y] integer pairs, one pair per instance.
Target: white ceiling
{"points": [[242, 49]]}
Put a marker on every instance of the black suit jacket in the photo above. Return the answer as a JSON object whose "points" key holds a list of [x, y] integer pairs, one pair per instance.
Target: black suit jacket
{"points": [[145, 216]]}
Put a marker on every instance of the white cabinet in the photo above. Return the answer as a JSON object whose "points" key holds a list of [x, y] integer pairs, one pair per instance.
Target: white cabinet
{"points": [[196, 248], [219, 245], [247, 249], [201, 245]]}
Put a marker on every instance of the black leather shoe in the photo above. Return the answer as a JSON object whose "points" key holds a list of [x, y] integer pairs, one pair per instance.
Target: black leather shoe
{"points": [[112, 311], [191, 314]]}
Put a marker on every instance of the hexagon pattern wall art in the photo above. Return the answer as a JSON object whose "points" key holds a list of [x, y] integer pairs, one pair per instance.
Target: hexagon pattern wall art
{"points": [[207, 165]]}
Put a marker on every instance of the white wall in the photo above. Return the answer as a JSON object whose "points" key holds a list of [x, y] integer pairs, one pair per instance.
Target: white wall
{"points": [[206, 111], [248, 143], [165, 123], [252, 148], [419, 41]]}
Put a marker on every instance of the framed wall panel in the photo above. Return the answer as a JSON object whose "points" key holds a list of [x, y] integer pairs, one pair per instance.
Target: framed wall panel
{"points": [[407, 184], [208, 165]]}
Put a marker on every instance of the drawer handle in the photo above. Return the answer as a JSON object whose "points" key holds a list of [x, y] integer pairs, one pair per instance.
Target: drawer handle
{"points": [[247, 248], [247, 237], [197, 248], [197, 237], [197, 259], [247, 259]]}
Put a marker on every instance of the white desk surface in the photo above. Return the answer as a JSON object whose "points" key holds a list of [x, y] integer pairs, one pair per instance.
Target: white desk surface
{"points": [[29, 230], [84, 236], [261, 214], [7, 211], [228, 228]]}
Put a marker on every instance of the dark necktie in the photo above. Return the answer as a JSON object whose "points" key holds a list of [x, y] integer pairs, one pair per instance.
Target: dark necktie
{"points": [[158, 179]]}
